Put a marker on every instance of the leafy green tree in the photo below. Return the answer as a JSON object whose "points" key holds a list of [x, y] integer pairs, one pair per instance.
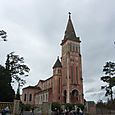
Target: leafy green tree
{"points": [[17, 69], [109, 78], [6, 92], [3, 35]]}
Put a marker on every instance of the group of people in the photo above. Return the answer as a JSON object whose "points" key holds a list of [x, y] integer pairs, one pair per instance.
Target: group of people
{"points": [[77, 111], [6, 110]]}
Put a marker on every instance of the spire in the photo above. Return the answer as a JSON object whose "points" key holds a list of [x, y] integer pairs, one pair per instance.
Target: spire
{"points": [[57, 63], [70, 33], [69, 29]]}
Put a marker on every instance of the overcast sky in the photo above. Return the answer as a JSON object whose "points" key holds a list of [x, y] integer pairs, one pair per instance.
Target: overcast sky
{"points": [[36, 28]]}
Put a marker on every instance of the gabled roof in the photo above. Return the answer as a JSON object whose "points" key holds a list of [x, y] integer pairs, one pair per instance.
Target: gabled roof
{"points": [[42, 81], [57, 63], [70, 33], [32, 87], [45, 90]]}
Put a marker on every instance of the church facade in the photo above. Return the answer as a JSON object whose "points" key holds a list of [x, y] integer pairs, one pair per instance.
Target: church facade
{"points": [[66, 83]]}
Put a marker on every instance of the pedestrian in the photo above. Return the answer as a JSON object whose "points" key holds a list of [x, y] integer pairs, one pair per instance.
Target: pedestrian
{"points": [[74, 112], [5, 110], [65, 112], [22, 111], [78, 111], [81, 112], [32, 110], [58, 112]]}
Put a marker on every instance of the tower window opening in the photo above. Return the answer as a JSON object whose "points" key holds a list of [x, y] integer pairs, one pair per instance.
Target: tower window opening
{"points": [[77, 74], [76, 49], [59, 70], [59, 85]]}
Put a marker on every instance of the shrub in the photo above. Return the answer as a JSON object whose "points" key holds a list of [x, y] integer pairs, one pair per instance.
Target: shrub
{"points": [[55, 106], [27, 107]]}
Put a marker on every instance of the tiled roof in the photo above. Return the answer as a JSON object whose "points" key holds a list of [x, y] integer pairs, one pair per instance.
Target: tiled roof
{"points": [[32, 87], [45, 90]]}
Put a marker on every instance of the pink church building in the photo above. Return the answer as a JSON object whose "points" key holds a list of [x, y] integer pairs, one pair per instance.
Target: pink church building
{"points": [[66, 83]]}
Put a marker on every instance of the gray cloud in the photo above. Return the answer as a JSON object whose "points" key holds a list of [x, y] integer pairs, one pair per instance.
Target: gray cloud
{"points": [[35, 30]]}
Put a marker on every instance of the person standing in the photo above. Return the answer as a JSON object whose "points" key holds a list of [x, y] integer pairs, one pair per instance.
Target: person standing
{"points": [[33, 111], [78, 111], [22, 111]]}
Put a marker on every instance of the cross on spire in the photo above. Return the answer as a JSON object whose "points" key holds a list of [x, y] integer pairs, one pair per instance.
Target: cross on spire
{"points": [[69, 14]]}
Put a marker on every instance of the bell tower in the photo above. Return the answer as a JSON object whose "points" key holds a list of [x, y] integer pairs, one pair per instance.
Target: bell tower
{"points": [[72, 85]]}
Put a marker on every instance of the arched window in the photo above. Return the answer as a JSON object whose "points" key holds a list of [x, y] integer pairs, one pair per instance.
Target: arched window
{"points": [[46, 97], [72, 74], [65, 95], [24, 97], [75, 93], [30, 97], [59, 86]]}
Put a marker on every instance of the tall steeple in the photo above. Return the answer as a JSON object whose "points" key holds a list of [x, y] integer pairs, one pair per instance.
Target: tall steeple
{"points": [[70, 33], [72, 89]]}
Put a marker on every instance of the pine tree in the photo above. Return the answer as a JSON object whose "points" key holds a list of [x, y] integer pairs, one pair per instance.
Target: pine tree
{"points": [[109, 78], [17, 69], [6, 92], [3, 35]]}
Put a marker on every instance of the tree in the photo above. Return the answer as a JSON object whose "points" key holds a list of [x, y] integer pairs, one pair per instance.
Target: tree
{"points": [[109, 78], [6, 92], [17, 69], [3, 35]]}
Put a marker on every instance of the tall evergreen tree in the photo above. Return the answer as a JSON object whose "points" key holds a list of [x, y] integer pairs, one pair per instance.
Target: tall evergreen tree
{"points": [[109, 78], [6, 92], [3, 35], [17, 69]]}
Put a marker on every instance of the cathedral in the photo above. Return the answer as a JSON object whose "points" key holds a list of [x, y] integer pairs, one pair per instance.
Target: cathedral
{"points": [[66, 83]]}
